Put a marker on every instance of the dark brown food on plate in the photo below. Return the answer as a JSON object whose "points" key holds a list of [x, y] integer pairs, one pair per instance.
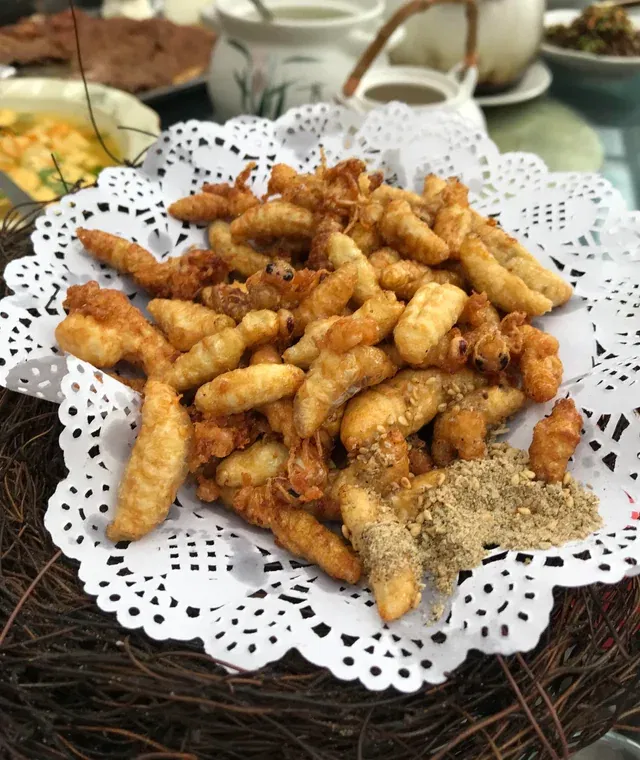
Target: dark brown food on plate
{"points": [[124, 53], [602, 30]]}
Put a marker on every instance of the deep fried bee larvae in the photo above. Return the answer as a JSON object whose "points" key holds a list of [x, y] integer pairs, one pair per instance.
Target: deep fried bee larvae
{"points": [[385, 194], [318, 253], [328, 299], [249, 388], [440, 193], [179, 277], [237, 256], [462, 429], [420, 460], [222, 352], [254, 465], [409, 401], [407, 503], [488, 348], [217, 437], [404, 277], [540, 364], [505, 290], [342, 250], [429, 315], [103, 328], [449, 353], [366, 237], [413, 238], [332, 380], [453, 224], [382, 258], [185, 322], [388, 552], [157, 466], [275, 219], [555, 439], [297, 531]]}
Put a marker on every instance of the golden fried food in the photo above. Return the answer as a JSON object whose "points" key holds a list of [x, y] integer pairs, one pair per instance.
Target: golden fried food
{"points": [[329, 298], [409, 400], [420, 460], [407, 502], [449, 353], [429, 315], [318, 252], [237, 256], [254, 465], [388, 553], [382, 466], [180, 277], [413, 238], [103, 328], [239, 390], [185, 322], [462, 429], [341, 250], [516, 259], [405, 276], [382, 258], [453, 224], [386, 194], [505, 290], [440, 193], [303, 353], [555, 439], [298, 531], [157, 466], [332, 380], [488, 348], [222, 352], [216, 437], [540, 364], [274, 219], [365, 236]]}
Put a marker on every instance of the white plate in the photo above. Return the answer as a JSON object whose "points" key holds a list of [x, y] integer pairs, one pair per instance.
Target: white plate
{"points": [[536, 80], [610, 66]]}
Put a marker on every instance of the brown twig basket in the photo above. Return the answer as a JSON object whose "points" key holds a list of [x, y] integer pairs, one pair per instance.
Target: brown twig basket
{"points": [[74, 684]]}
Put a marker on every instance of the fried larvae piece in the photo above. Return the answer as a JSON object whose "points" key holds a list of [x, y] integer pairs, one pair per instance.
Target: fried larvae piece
{"points": [[103, 328], [318, 253], [332, 380], [413, 238], [275, 219], [328, 299], [453, 224], [517, 260], [180, 277], [462, 429], [157, 466], [409, 400], [404, 277], [222, 352], [408, 502], [555, 438], [505, 290], [242, 389], [438, 193], [380, 466], [366, 237], [388, 552], [254, 465], [540, 364], [298, 531], [429, 315], [237, 256], [185, 322], [382, 258], [449, 353], [217, 437], [341, 250], [420, 460]]}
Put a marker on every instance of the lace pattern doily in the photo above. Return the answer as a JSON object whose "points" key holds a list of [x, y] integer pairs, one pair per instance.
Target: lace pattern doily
{"points": [[205, 573]]}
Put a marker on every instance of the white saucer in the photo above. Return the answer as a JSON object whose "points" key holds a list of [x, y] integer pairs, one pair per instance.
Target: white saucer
{"points": [[535, 80], [609, 66]]}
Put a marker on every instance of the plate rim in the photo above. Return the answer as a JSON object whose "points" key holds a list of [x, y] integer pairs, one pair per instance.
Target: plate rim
{"points": [[512, 97]]}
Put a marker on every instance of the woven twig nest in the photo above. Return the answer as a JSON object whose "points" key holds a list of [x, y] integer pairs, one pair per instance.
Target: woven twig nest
{"points": [[74, 684]]}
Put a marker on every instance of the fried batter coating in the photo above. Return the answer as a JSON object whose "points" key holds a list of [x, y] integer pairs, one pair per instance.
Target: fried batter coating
{"points": [[274, 219], [516, 259], [429, 315], [157, 466], [440, 193], [318, 254], [222, 352], [453, 224], [342, 250], [180, 277], [408, 401], [242, 389], [462, 429], [449, 353], [298, 531], [328, 299], [420, 460], [540, 364], [386, 194], [387, 550], [103, 328], [216, 437], [404, 231], [382, 258], [237, 256], [555, 438], [488, 348], [185, 322], [404, 277], [408, 502], [380, 466], [254, 465], [332, 380], [365, 236], [307, 348], [505, 290]]}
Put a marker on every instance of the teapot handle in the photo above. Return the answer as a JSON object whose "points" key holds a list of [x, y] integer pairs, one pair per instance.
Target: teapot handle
{"points": [[398, 18]]}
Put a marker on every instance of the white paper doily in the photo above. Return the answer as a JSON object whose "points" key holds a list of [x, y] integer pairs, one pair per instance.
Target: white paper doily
{"points": [[206, 574]]}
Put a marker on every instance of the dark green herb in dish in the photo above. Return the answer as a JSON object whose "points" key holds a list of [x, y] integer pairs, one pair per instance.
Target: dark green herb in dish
{"points": [[599, 29]]}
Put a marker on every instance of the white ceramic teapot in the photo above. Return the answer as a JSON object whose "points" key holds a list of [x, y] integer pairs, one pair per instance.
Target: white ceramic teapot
{"points": [[302, 56]]}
